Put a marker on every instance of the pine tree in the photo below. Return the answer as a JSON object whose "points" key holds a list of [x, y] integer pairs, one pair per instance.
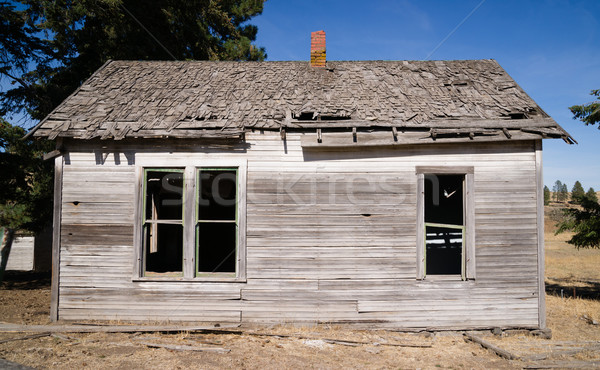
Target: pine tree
{"points": [[588, 113], [585, 222], [591, 195], [84, 34], [564, 193], [546, 195], [557, 188], [577, 193]]}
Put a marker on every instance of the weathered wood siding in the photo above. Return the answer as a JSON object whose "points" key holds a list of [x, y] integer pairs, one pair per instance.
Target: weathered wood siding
{"points": [[21, 256], [331, 236]]}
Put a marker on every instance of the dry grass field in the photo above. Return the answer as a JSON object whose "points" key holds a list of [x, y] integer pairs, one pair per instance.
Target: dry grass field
{"points": [[24, 299]]}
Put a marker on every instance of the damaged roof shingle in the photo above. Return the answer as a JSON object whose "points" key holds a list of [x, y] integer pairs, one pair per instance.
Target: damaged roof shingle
{"points": [[155, 99]]}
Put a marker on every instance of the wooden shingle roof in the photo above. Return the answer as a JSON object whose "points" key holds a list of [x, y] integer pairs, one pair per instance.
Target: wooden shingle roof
{"points": [[150, 99]]}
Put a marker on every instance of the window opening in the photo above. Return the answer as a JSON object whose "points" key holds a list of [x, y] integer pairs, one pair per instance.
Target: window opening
{"points": [[444, 225], [163, 222], [304, 116], [334, 118], [517, 115], [216, 221]]}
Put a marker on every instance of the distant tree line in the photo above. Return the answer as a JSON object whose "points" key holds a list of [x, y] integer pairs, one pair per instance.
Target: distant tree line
{"points": [[560, 193], [582, 217]]}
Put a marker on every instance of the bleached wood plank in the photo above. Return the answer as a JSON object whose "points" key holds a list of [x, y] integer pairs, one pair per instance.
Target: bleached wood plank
{"points": [[56, 236], [420, 223], [97, 234], [540, 237], [333, 252], [151, 315], [21, 254], [470, 226]]}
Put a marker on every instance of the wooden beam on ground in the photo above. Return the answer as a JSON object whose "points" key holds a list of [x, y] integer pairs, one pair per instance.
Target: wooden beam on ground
{"points": [[344, 342], [185, 347], [499, 351], [558, 352], [33, 336], [565, 364]]}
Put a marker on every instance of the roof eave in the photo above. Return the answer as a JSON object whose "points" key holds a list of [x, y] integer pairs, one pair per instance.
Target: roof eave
{"points": [[58, 107]]}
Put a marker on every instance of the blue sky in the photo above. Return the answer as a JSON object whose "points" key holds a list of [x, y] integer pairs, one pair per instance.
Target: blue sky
{"points": [[550, 47]]}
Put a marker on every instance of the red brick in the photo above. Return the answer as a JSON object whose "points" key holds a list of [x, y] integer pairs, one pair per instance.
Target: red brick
{"points": [[317, 49]]}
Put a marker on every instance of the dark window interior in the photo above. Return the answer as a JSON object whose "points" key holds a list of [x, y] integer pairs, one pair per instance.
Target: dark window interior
{"points": [[163, 226], [444, 199], [444, 251], [444, 205], [168, 257], [164, 195], [217, 197], [217, 221], [216, 252]]}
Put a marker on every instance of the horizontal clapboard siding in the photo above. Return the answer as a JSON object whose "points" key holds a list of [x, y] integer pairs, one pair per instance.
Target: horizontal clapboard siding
{"points": [[21, 254], [331, 237]]}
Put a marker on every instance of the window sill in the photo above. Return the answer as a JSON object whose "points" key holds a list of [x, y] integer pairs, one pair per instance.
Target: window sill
{"points": [[202, 279], [449, 278]]}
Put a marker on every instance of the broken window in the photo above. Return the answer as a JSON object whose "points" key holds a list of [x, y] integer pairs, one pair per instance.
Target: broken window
{"points": [[163, 222], [216, 223], [192, 222], [444, 224], [445, 219]]}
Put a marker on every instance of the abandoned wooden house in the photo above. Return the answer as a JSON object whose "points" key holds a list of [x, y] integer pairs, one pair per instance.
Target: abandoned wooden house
{"points": [[386, 193]]}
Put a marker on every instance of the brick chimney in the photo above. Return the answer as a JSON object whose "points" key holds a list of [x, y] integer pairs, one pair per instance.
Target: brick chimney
{"points": [[317, 49]]}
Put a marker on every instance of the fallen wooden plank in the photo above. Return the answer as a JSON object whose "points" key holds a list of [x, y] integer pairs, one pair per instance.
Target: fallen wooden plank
{"points": [[556, 352], [341, 341], [145, 339], [91, 328], [63, 337], [186, 347], [564, 365], [499, 351], [25, 337]]}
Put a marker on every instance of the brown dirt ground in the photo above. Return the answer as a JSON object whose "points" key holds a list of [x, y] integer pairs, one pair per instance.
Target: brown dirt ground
{"points": [[24, 299]]}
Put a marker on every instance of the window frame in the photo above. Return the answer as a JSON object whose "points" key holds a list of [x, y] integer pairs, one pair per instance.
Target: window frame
{"points": [[191, 170], [144, 219], [468, 255], [198, 221]]}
